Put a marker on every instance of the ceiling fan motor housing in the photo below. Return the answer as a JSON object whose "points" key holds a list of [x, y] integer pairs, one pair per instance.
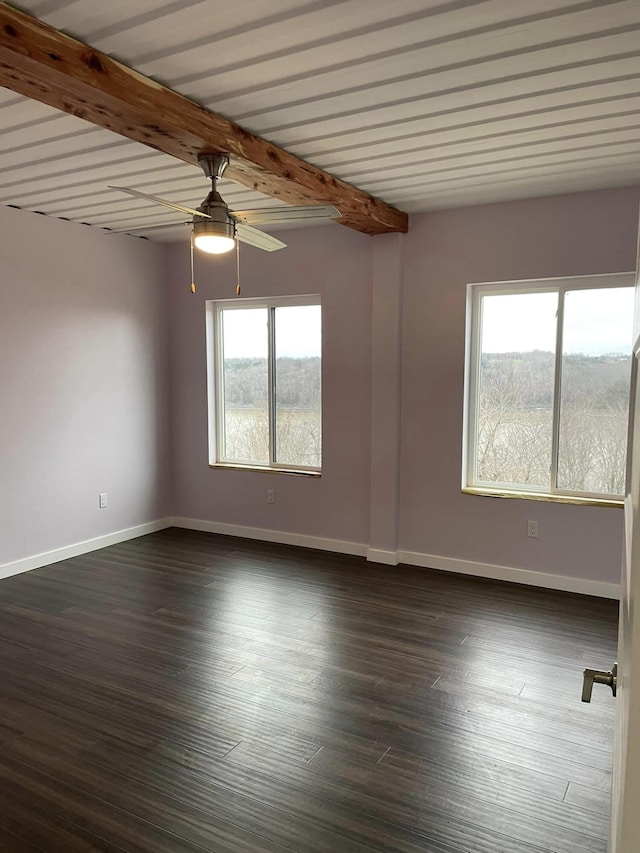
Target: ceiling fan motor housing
{"points": [[220, 223]]}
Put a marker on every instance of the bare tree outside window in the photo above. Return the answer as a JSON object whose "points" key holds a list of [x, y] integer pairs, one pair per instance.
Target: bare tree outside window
{"points": [[515, 412], [269, 384], [245, 381], [519, 423], [594, 401], [298, 438]]}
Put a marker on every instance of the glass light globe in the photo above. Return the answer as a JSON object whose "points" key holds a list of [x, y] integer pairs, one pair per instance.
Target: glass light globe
{"points": [[214, 244]]}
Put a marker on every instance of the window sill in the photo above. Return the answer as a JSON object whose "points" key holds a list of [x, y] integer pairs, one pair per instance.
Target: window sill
{"points": [[229, 466], [539, 496]]}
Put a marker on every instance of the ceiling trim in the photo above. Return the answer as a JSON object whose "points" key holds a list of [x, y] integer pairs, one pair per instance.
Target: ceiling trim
{"points": [[44, 64]]}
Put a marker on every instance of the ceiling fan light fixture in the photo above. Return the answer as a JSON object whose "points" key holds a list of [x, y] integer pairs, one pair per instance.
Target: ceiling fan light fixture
{"points": [[215, 228], [214, 238], [214, 244]]}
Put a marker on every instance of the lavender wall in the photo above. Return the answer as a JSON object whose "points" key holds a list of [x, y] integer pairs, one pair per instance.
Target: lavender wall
{"points": [[427, 275], [97, 334], [83, 384], [335, 263], [572, 235]]}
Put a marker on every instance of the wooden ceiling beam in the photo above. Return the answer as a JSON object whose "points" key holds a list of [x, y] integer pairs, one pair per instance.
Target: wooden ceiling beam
{"points": [[46, 65]]}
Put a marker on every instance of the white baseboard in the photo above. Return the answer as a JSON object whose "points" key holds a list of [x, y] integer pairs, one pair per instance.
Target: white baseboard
{"points": [[338, 546], [505, 573], [411, 558], [387, 558], [55, 556], [392, 558]]}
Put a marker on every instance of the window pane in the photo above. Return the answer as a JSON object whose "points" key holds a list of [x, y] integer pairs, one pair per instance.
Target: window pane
{"points": [[298, 339], [515, 389], [245, 412], [594, 401]]}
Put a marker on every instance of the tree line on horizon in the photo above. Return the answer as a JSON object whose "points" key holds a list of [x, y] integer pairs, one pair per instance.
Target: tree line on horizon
{"points": [[514, 441], [298, 382]]}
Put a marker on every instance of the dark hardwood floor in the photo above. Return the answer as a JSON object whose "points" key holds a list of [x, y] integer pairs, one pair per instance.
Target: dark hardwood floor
{"points": [[189, 692]]}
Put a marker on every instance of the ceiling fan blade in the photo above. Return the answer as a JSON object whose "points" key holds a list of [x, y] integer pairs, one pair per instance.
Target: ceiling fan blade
{"points": [[285, 214], [254, 237], [180, 207], [135, 230]]}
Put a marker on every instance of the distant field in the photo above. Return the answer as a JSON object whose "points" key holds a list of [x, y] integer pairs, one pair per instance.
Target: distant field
{"points": [[298, 436]]}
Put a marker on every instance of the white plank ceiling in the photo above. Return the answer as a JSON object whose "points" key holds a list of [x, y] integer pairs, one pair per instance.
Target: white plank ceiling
{"points": [[424, 103]]}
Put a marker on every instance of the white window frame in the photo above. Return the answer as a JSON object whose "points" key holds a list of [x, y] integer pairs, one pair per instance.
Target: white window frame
{"points": [[215, 379], [473, 337]]}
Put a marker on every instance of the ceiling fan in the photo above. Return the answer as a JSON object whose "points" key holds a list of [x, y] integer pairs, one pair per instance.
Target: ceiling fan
{"points": [[215, 228]]}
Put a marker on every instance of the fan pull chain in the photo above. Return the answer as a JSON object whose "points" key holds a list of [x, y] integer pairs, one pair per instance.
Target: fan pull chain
{"points": [[193, 284], [237, 267]]}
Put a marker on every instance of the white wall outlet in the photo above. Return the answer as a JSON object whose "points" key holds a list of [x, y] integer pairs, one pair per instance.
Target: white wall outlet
{"points": [[271, 496], [103, 500], [532, 529]]}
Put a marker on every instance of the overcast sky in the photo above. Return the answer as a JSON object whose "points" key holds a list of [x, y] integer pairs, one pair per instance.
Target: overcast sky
{"points": [[525, 322], [298, 333], [514, 323]]}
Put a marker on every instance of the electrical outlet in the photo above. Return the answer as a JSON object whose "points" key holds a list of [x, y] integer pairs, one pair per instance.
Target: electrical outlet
{"points": [[532, 529], [271, 496], [103, 500]]}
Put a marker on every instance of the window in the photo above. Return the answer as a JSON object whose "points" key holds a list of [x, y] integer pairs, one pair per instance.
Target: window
{"points": [[265, 383], [548, 374]]}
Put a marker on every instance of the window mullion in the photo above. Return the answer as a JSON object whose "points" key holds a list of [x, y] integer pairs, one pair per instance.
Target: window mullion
{"points": [[272, 384], [557, 392]]}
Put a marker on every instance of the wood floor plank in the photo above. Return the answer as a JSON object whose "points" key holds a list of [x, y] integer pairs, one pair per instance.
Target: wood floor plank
{"points": [[512, 813], [10, 843], [46, 830], [488, 784], [317, 818], [119, 826], [175, 821], [429, 825], [588, 798], [206, 812], [187, 692], [536, 718]]}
